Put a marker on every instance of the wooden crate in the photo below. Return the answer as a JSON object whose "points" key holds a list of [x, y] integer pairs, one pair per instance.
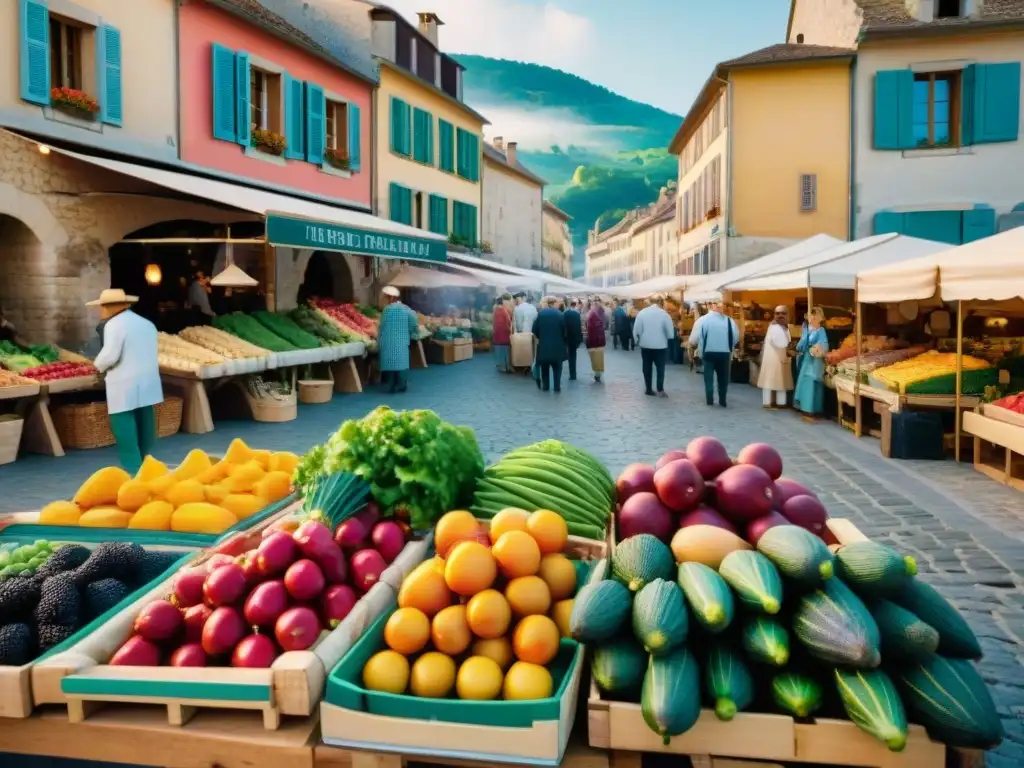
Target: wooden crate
{"points": [[448, 352], [998, 444]]}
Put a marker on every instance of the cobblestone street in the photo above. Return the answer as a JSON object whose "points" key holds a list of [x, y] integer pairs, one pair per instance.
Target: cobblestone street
{"points": [[966, 531]]}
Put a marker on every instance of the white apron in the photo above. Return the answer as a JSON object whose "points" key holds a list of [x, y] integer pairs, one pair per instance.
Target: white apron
{"points": [[775, 373]]}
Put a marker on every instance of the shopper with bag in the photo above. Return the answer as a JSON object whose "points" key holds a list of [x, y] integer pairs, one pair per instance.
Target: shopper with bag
{"points": [[596, 324], [809, 396], [716, 337]]}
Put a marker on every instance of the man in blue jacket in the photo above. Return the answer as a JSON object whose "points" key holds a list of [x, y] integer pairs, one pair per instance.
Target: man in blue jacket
{"points": [[716, 336], [573, 335]]}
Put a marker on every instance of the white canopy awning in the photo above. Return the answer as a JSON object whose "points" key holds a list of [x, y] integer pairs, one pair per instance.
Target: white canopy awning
{"points": [[660, 284], [837, 267], [530, 278], [418, 277], [990, 269]]}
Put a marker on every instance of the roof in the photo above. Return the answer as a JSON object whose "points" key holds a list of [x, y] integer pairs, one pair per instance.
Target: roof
{"points": [[383, 11], [658, 217], [556, 211], [495, 155]]}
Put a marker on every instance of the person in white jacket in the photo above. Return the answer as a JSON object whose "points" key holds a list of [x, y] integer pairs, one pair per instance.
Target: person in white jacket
{"points": [[652, 332], [775, 376], [131, 371]]}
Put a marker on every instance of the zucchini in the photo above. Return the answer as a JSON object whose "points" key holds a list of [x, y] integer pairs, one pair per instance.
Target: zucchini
{"points": [[874, 569], [835, 626], [708, 595], [619, 665], [798, 694], [551, 471], [904, 635], [728, 682], [670, 699], [543, 497], [956, 638], [767, 641], [543, 488], [950, 699], [872, 703], [641, 559], [599, 612], [754, 578], [660, 622], [798, 554]]}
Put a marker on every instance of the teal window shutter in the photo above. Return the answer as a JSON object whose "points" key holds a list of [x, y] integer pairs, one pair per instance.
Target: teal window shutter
{"points": [[294, 118], [978, 223], [471, 224], [108, 75], [996, 102], [315, 128], [243, 116], [894, 109], [474, 160], [400, 128], [967, 88], [222, 65], [423, 136], [446, 142], [462, 162], [355, 150], [940, 226], [400, 203], [439, 215], [464, 222], [35, 51], [887, 221]]}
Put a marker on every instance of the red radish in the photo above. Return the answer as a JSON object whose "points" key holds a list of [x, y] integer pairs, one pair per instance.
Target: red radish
{"points": [[313, 538], [332, 564], [188, 587], [195, 618], [222, 631], [744, 493], [673, 455], [369, 515], [189, 655], [275, 553], [304, 580], [764, 456], [709, 455], [644, 513], [338, 602], [265, 603], [297, 629], [807, 512], [679, 485], [224, 586], [216, 561], [158, 621], [254, 652], [756, 528], [136, 652], [366, 565], [636, 478], [389, 540], [785, 489], [351, 535], [705, 515]]}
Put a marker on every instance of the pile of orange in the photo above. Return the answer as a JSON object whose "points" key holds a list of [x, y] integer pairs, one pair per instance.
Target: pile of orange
{"points": [[484, 618]]}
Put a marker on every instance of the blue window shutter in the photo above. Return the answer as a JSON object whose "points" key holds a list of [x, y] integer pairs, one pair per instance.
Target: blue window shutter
{"points": [[242, 111], [474, 162], [887, 221], [446, 140], [940, 226], [108, 74], [315, 127], [423, 136], [978, 223], [400, 128], [400, 204], [894, 109], [222, 67], [471, 216], [996, 107], [294, 118], [35, 51], [355, 150], [439, 215], [967, 88], [462, 168]]}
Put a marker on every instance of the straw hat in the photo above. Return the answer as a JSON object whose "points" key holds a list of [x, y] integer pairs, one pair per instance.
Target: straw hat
{"points": [[390, 290], [112, 296]]}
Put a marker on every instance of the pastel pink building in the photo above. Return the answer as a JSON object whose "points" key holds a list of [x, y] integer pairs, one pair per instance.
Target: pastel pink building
{"points": [[263, 102]]}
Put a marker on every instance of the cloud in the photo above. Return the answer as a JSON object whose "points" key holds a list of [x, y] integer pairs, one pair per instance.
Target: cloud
{"points": [[539, 130], [540, 33]]}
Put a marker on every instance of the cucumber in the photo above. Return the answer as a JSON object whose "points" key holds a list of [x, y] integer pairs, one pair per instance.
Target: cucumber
{"points": [[670, 699], [874, 569], [798, 694], [767, 641], [798, 554], [618, 666], [872, 703], [728, 682], [599, 612], [708, 595], [956, 638], [660, 622], [754, 578], [904, 635], [641, 559], [541, 491], [835, 626]]}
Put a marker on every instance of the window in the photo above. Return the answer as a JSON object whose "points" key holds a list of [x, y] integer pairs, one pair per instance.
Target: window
{"points": [[336, 126], [264, 101], [464, 222], [468, 148], [400, 203], [65, 55], [400, 128], [808, 192], [417, 210], [426, 56], [449, 76], [948, 9], [403, 45], [439, 215], [936, 108], [422, 136]]}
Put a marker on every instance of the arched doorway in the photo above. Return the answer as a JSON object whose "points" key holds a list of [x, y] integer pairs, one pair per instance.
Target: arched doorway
{"points": [[27, 291], [327, 274]]}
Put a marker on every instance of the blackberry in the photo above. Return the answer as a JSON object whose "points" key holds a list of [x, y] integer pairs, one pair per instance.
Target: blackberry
{"points": [[17, 645], [17, 598], [107, 561], [66, 558], [59, 601], [154, 565], [102, 595], [51, 635]]}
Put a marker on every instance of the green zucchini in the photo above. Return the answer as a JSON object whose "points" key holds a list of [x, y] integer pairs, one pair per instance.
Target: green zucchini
{"points": [[599, 612], [754, 579], [904, 635], [798, 694], [798, 554], [950, 699], [708, 595], [670, 699], [872, 703], [874, 569], [728, 682], [541, 490], [641, 559], [766, 640], [660, 622], [956, 638], [835, 626], [619, 665], [552, 472]]}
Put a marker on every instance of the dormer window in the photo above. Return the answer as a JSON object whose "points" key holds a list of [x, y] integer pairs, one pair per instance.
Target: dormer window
{"points": [[948, 9]]}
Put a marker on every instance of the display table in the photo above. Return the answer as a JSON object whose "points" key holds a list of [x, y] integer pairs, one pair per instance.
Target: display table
{"points": [[40, 436], [998, 443]]}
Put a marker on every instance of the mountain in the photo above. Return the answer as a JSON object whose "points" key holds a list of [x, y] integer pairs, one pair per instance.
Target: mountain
{"points": [[601, 153]]}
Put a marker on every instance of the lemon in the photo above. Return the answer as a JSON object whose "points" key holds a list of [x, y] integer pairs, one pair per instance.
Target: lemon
{"points": [[433, 676], [386, 671], [525, 681], [479, 679]]}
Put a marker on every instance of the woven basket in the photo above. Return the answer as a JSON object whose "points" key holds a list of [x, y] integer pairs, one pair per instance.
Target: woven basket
{"points": [[168, 416], [83, 426], [315, 391]]}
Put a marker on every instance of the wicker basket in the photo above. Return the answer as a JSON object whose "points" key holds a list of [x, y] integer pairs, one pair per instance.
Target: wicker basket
{"points": [[83, 426], [168, 416], [10, 438], [315, 391]]}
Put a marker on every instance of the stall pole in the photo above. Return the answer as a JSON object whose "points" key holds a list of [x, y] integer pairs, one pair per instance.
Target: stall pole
{"points": [[959, 372], [857, 330]]}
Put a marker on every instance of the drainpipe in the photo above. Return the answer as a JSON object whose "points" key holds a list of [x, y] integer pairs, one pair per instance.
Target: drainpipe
{"points": [[852, 163], [177, 75]]}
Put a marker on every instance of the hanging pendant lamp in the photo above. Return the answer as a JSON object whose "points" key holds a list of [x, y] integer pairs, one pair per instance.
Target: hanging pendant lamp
{"points": [[232, 276]]}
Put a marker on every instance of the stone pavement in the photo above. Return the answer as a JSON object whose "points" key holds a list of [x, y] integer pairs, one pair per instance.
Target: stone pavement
{"points": [[966, 531]]}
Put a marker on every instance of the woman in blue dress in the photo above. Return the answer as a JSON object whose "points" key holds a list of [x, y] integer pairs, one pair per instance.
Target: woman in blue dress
{"points": [[809, 395]]}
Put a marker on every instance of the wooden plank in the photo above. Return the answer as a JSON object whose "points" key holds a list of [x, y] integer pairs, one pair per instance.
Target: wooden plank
{"points": [[996, 432], [29, 389], [992, 412]]}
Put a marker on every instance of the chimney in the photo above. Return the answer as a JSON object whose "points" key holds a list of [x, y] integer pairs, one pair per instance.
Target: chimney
{"points": [[510, 152], [499, 144], [429, 22]]}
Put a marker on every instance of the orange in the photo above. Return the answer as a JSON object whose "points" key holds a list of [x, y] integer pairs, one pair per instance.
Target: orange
{"points": [[386, 671], [517, 554], [425, 589], [549, 530], [561, 613], [528, 595], [536, 640], [432, 676], [488, 614], [407, 631], [450, 631], [479, 679], [499, 649], [509, 519], [470, 568], [525, 682], [452, 528], [559, 574]]}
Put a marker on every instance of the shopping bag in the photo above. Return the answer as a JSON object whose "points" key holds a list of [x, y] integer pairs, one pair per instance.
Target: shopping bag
{"points": [[596, 359]]}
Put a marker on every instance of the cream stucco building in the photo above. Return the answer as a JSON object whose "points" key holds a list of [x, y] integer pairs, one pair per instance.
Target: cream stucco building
{"points": [[557, 240], [640, 246], [513, 198]]}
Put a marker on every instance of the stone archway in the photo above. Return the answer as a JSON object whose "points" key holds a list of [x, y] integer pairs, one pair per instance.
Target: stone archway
{"points": [[26, 295]]}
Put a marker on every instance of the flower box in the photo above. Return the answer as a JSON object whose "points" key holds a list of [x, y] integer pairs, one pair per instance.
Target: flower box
{"points": [[74, 102], [271, 142], [337, 158]]}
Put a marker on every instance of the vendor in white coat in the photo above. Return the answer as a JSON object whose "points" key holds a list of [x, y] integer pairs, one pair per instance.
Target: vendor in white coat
{"points": [[131, 371], [776, 376]]}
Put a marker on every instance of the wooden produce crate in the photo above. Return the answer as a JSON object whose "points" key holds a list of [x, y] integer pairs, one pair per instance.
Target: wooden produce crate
{"points": [[448, 352], [10, 438], [998, 444]]}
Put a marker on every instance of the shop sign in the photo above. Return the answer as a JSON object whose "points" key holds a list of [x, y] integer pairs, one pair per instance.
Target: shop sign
{"points": [[321, 236]]}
